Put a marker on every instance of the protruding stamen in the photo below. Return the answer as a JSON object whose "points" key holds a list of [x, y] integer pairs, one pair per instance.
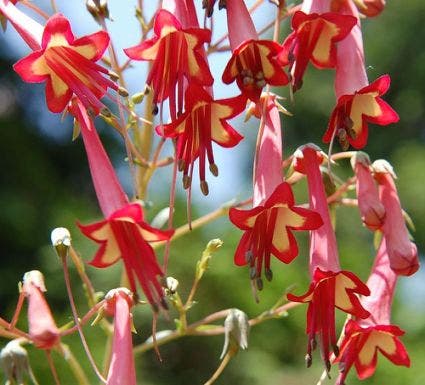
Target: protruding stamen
{"points": [[155, 109], [123, 92], [269, 274], [186, 181], [259, 283], [252, 272], [249, 256], [308, 360]]}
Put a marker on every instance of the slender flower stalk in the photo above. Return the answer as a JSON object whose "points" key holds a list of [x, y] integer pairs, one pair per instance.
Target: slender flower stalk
{"points": [[371, 209], [124, 233], [331, 287], [254, 62], [121, 370], [67, 65], [363, 339], [268, 225], [402, 252]]}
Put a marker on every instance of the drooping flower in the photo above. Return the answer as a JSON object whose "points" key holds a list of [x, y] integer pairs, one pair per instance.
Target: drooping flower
{"points": [[331, 287], [371, 209], [124, 233], [268, 231], [121, 370], [68, 66], [43, 331], [177, 57], [254, 62], [358, 102], [3, 19], [352, 113], [363, 339], [268, 225], [314, 39], [184, 11], [204, 121], [403, 253]]}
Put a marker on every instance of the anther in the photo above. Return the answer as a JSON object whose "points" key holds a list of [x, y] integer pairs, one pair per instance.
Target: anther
{"points": [[247, 81], [204, 187], [186, 181], [308, 360], [335, 348], [113, 75], [328, 367], [249, 256], [260, 83], [106, 112], [181, 164], [269, 274], [155, 109], [252, 272], [222, 4], [259, 283], [214, 169], [123, 92]]}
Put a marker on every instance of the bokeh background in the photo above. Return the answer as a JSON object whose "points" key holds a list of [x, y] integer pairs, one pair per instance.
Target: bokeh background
{"points": [[45, 183]]}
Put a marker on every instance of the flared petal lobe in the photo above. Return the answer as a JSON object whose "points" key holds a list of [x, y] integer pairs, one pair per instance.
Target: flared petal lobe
{"points": [[350, 118], [313, 39], [68, 66], [203, 122], [125, 235], [268, 230], [253, 65]]}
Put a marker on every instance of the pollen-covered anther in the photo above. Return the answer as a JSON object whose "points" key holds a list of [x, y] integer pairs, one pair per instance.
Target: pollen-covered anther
{"points": [[342, 139], [204, 187], [187, 181], [113, 75], [214, 169]]}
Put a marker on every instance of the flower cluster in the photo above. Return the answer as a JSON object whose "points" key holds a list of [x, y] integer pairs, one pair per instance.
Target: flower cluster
{"points": [[179, 88]]}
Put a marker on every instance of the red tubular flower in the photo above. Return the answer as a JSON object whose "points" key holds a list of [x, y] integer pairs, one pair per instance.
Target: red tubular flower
{"points": [[371, 209], [204, 121], [177, 57], [67, 65], [121, 370], [402, 251], [363, 339], [254, 62], [124, 233], [313, 39], [352, 114], [43, 331], [331, 287], [268, 231], [370, 8]]}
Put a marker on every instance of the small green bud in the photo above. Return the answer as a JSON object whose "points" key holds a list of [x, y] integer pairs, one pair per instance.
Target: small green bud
{"points": [[236, 332]]}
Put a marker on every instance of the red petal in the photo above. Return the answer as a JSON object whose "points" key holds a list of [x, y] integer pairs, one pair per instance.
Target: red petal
{"points": [[57, 25]]}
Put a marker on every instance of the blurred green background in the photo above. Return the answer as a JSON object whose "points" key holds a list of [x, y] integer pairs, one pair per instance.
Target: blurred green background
{"points": [[45, 183]]}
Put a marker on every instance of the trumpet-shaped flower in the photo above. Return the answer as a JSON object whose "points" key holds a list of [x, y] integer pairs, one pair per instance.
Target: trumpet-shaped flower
{"points": [[177, 57], [363, 339], [314, 39], [67, 65], [268, 230], [204, 121], [371, 209], [121, 370], [124, 233], [352, 113], [254, 62], [43, 331], [402, 251], [331, 287]]}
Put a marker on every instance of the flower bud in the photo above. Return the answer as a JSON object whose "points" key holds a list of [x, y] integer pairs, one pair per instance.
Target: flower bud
{"points": [[15, 363], [171, 284], [98, 9], [236, 332], [61, 241]]}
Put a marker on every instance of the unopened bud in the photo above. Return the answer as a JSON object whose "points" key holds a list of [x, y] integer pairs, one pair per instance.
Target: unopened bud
{"points": [[61, 241], [236, 332], [15, 363], [171, 284], [35, 278], [98, 9]]}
